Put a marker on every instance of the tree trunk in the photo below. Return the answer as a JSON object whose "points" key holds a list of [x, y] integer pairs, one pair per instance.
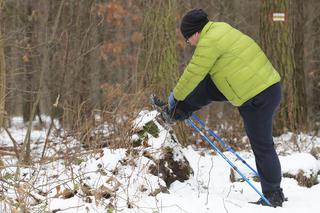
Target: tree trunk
{"points": [[283, 43], [2, 81], [2, 72], [158, 60], [299, 74], [28, 89], [315, 66], [44, 36]]}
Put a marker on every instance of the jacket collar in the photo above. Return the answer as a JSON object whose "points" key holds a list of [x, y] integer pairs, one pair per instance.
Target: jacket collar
{"points": [[205, 29]]}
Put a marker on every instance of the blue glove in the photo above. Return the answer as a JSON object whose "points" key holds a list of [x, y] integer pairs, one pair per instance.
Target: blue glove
{"points": [[175, 111], [171, 102]]}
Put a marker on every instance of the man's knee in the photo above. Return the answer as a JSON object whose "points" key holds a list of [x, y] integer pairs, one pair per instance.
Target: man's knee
{"points": [[262, 146]]}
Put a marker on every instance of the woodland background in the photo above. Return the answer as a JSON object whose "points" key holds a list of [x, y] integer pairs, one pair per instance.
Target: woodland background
{"points": [[76, 59]]}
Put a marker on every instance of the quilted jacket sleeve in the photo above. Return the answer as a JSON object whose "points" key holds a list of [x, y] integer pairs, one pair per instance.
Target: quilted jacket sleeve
{"points": [[204, 57]]}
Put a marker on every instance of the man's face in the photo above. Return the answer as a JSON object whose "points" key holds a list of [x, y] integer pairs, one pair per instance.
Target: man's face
{"points": [[193, 40]]}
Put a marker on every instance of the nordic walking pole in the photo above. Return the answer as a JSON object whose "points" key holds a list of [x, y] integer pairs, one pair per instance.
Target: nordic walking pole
{"points": [[224, 144], [191, 123]]}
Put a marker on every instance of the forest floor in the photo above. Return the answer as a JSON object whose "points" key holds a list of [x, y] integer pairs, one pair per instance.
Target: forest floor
{"points": [[73, 179]]}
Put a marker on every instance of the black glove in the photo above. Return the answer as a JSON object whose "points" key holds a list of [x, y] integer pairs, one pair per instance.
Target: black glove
{"points": [[178, 114]]}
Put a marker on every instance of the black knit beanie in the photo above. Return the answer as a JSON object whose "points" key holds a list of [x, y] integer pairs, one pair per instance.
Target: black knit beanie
{"points": [[193, 21]]}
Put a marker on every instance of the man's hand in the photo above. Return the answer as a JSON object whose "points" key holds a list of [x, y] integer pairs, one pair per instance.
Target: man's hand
{"points": [[172, 102], [174, 110]]}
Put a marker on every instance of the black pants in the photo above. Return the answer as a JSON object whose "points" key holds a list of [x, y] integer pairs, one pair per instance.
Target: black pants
{"points": [[257, 115]]}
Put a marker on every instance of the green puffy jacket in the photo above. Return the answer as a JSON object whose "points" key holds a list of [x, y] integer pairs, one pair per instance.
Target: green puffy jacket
{"points": [[236, 64]]}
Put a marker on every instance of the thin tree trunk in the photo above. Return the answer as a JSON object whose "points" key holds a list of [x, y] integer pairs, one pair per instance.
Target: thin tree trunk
{"points": [[96, 66], [43, 35], [2, 73], [28, 89], [2, 81]]}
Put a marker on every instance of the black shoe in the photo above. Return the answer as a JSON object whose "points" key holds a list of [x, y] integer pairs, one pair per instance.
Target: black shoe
{"points": [[276, 198]]}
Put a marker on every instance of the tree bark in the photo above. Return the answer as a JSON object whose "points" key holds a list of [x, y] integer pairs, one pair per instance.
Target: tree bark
{"points": [[315, 66], [283, 43], [2, 80], [29, 82], [158, 60]]}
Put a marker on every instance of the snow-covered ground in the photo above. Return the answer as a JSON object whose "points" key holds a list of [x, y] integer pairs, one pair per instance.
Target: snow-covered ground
{"points": [[120, 180]]}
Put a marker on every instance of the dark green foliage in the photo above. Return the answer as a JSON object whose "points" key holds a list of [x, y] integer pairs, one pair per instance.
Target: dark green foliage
{"points": [[150, 128], [137, 143]]}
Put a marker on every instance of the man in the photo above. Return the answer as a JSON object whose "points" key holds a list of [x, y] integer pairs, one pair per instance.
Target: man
{"points": [[227, 65]]}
